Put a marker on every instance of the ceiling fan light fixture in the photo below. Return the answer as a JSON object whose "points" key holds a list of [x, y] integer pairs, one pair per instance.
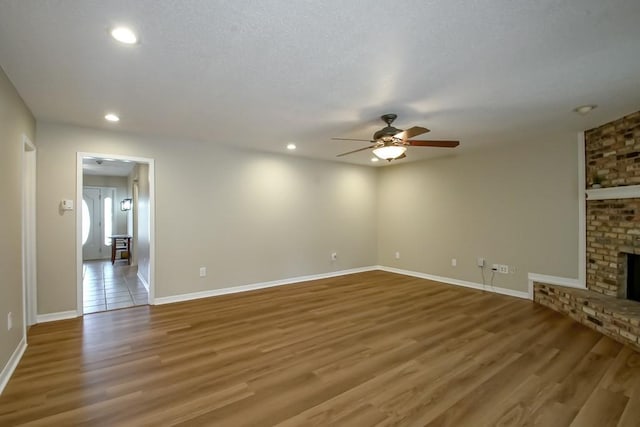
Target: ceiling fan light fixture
{"points": [[389, 152], [585, 109]]}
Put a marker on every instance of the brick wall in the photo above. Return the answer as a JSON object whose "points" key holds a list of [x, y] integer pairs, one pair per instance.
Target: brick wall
{"points": [[612, 153]]}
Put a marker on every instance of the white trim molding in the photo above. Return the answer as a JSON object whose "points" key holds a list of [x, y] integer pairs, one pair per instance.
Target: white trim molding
{"points": [[582, 211], [457, 282], [553, 280], [12, 364], [152, 220], [142, 279], [623, 192], [260, 285], [61, 315], [28, 214]]}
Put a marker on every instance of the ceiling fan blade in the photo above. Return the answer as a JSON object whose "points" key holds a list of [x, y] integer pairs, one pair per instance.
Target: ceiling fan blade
{"points": [[351, 139], [443, 144], [355, 151], [411, 132]]}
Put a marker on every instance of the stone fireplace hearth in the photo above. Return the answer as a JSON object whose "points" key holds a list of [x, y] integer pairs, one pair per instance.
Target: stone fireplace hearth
{"points": [[615, 317]]}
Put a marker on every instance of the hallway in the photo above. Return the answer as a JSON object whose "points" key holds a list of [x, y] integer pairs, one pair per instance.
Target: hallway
{"points": [[108, 287]]}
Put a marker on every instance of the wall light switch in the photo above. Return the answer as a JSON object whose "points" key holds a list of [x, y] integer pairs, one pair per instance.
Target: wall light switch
{"points": [[66, 205]]}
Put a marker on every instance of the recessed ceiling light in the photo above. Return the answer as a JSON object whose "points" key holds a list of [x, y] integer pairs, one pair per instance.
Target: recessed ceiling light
{"points": [[584, 109], [375, 159], [124, 35], [112, 117], [291, 146]]}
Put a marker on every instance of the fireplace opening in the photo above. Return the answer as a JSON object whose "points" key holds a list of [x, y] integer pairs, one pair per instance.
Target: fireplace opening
{"points": [[633, 277]]}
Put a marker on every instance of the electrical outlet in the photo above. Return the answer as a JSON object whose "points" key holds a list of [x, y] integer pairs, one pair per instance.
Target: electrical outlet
{"points": [[203, 271], [334, 256], [500, 268], [9, 321], [454, 262], [512, 269], [397, 255], [480, 262]]}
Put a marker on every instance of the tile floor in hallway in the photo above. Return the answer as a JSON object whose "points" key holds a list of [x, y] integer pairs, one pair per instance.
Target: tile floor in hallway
{"points": [[107, 287]]}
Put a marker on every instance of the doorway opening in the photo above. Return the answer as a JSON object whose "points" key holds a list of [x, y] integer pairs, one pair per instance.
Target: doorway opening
{"points": [[115, 244]]}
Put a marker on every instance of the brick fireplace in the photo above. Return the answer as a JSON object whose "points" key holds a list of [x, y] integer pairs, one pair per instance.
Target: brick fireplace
{"points": [[612, 157], [612, 171], [613, 232], [633, 277]]}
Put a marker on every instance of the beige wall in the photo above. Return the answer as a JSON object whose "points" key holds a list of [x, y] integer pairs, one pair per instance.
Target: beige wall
{"points": [[132, 219], [248, 217], [143, 225], [516, 205], [15, 120]]}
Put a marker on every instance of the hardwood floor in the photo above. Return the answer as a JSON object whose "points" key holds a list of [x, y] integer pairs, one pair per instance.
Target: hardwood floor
{"points": [[366, 349]]}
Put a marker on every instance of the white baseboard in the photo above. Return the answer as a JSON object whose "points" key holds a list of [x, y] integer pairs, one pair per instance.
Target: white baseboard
{"points": [[553, 280], [52, 317], [256, 286], [143, 280], [12, 364], [263, 285], [457, 282]]}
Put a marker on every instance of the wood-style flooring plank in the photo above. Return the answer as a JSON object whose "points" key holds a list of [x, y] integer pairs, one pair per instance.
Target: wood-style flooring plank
{"points": [[367, 349]]}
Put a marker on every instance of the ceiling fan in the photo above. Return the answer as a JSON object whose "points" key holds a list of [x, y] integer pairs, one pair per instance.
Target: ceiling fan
{"points": [[390, 143]]}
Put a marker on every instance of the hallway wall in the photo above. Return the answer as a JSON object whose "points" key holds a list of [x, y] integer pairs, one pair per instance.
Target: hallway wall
{"points": [[246, 216], [15, 121]]}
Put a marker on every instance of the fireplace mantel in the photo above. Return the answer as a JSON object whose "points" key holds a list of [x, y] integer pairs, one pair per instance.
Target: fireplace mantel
{"points": [[623, 192]]}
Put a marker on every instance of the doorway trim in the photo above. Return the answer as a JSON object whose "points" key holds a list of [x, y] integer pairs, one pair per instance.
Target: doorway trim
{"points": [[29, 271], [152, 221]]}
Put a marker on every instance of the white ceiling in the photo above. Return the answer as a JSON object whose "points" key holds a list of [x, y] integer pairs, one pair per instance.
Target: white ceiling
{"points": [[106, 167], [260, 74]]}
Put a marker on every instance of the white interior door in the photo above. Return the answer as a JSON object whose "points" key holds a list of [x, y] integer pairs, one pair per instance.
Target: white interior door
{"points": [[91, 224], [97, 222]]}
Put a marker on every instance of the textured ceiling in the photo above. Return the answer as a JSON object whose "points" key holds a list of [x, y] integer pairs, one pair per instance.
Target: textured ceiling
{"points": [[108, 167], [260, 74]]}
